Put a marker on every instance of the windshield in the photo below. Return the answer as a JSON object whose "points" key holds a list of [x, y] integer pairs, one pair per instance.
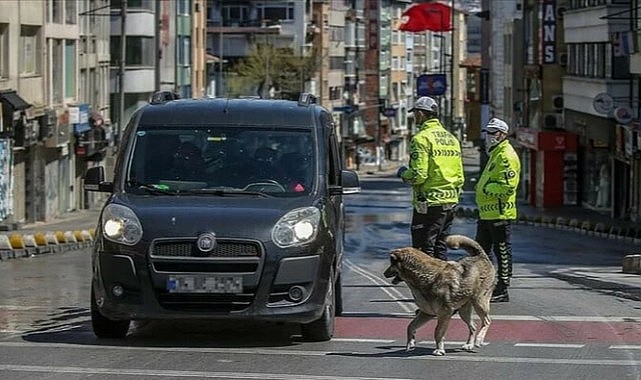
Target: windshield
{"points": [[222, 161]]}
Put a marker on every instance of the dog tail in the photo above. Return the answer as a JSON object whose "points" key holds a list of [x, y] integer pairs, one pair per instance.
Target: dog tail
{"points": [[468, 244]]}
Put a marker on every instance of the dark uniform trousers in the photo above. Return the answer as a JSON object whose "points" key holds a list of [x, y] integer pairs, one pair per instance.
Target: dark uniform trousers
{"points": [[429, 230], [495, 237]]}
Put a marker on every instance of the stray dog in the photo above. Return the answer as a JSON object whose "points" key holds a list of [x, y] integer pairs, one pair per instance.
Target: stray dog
{"points": [[441, 288]]}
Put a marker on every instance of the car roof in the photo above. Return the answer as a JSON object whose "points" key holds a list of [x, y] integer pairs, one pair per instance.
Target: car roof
{"points": [[222, 111]]}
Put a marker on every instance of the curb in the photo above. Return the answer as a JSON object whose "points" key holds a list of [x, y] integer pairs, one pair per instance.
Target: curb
{"points": [[17, 245]]}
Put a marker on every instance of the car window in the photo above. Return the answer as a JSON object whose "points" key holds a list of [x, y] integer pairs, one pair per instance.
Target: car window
{"points": [[277, 161]]}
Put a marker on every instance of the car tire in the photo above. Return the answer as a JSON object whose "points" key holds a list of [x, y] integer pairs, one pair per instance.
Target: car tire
{"points": [[322, 329], [338, 292], [104, 327]]}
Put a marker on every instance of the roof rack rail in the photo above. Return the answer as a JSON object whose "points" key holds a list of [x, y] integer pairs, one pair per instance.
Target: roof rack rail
{"points": [[163, 96], [306, 99]]}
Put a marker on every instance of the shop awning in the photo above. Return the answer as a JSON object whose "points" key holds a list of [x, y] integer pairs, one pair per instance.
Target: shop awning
{"points": [[13, 100]]}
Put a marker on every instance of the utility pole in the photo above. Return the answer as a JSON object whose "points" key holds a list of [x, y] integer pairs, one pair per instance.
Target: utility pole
{"points": [[157, 46], [486, 35], [121, 71]]}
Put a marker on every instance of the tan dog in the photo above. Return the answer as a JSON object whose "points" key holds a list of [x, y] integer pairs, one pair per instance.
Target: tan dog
{"points": [[440, 288]]}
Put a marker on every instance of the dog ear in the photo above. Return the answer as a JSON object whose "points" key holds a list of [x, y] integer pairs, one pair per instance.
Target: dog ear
{"points": [[393, 257]]}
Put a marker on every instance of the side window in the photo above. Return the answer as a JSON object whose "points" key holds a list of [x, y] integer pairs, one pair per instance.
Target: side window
{"points": [[334, 159]]}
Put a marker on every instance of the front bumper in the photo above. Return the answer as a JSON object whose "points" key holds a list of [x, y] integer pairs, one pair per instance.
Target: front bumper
{"points": [[267, 275]]}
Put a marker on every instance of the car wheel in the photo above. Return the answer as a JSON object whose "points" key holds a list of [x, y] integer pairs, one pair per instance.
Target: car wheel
{"points": [[322, 329], [104, 327], [338, 291]]}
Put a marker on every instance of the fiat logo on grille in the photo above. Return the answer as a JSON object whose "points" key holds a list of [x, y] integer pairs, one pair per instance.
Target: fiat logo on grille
{"points": [[206, 242]]}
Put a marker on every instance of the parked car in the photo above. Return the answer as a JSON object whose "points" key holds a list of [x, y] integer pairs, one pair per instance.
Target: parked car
{"points": [[222, 209]]}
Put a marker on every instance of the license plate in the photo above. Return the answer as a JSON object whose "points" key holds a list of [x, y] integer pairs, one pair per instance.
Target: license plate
{"points": [[205, 284]]}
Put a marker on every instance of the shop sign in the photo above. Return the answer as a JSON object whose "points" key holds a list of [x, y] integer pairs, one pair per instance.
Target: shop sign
{"points": [[623, 114], [603, 103], [549, 31], [527, 138]]}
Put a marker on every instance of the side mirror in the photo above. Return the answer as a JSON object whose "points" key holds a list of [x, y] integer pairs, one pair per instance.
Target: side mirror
{"points": [[95, 180], [349, 183]]}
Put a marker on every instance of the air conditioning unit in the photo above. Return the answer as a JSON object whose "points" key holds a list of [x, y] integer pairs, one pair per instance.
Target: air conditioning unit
{"points": [[557, 102], [553, 120], [563, 59]]}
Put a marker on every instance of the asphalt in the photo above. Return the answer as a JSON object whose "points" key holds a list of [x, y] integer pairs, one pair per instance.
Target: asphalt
{"points": [[578, 219]]}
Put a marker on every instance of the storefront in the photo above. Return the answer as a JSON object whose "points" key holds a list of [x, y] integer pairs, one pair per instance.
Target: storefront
{"points": [[625, 186], [549, 175]]}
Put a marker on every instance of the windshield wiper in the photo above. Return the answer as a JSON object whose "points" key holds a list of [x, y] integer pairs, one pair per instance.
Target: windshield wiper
{"points": [[152, 188], [229, 191]]}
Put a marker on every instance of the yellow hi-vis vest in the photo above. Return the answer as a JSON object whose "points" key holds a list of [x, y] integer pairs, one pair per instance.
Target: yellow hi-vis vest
{"points": [[436, 165], [496, 189]]}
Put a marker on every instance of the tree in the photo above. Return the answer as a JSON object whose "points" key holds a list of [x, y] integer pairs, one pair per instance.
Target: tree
{"points": [[272, 72]]}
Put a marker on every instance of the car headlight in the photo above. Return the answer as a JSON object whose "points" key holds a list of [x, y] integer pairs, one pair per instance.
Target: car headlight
{"points": [[121, 225], [297, 227]]}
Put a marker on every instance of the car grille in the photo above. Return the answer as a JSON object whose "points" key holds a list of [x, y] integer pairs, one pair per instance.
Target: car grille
{"points": [[189, 249], [183, 256]]}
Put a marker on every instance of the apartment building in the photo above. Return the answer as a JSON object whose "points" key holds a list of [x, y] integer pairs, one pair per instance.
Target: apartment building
{"points": [[579, 138], [53, 74], [601, 102]]}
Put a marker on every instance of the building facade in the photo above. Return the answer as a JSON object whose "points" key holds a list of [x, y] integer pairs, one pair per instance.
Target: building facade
{"points": [[53, 74], [579, 139]]}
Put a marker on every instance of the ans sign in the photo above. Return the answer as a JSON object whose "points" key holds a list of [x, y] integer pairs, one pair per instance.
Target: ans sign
{"points": [[548, 31]]}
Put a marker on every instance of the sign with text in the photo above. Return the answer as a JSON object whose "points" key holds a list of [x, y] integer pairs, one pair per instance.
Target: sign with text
{"points": [[548, 31], [431, 84]]}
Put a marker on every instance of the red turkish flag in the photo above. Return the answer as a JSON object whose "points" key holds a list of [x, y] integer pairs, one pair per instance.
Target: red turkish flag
{"points": [[420, 17]]}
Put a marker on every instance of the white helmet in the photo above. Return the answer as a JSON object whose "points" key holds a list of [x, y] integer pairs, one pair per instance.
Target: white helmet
{"points": [[496, 125], [425, 103]]}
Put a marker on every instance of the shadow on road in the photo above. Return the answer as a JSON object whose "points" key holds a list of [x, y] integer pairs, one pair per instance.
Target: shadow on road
{"points": [[201, 334]]}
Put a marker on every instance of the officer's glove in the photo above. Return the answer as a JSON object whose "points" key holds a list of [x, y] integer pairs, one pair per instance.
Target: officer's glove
{"points": [[400, 171]]}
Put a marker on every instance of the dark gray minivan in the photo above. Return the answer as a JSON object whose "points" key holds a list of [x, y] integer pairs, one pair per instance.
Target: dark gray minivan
{"points": [[222, 209]]}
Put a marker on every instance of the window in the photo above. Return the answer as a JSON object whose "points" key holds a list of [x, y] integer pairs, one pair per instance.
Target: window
{"points": [[184, 7], [57, 74], [336, 63], [139, 50], [277, 13], [70, 69], [28, 58], [234, 15], [70, 11], [56, 11], [140, 4], [4, 50]]}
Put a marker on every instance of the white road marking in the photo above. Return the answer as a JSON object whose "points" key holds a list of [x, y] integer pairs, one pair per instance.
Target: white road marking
{"points": [[507, 317], [625, 347], [294, 353], [550, 345], [174, 374], [379, 281], [362, 340], [447, 342]]}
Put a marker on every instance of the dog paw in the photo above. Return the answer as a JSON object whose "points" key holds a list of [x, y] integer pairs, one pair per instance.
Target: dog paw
{"points": [[410, 345], [438, 352], [480, 344], [468, 347]]}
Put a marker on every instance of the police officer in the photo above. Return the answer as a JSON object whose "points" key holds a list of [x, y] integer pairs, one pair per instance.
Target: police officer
{"points": [[436, 174], [496, 202]]}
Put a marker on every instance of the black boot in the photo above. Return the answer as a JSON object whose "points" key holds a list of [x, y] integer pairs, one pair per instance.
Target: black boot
{"points": [[500, 293]]}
